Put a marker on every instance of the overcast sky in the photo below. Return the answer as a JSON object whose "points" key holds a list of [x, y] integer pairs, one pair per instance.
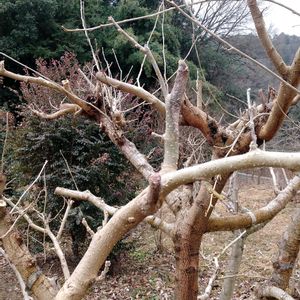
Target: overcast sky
{"points": [[281, 19]]}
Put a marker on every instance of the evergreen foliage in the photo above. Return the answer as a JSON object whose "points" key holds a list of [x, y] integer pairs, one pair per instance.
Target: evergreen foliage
{"points": [[95, 164]]}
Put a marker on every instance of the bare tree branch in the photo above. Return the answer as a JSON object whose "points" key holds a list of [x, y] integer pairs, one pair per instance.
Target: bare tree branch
{"points": [[256, 158], [273, 54], [132, 89], [273, 292], [131, 19], [259, 216], [286, 7], [85, 196], [283, 101], [18, 275], [49, 84], [173, 105], [288, 251], [65, 108], [193, 116], [146, 50], [158, 223], [59, 252]]}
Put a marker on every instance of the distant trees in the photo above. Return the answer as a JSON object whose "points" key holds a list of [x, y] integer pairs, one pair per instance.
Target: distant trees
{"points": [[190, 190]]}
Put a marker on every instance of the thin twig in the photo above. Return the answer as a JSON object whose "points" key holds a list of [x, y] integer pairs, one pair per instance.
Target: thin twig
{"points": [[30, 186], [86, 34], [146, 50], [284, 6], [59, 252], [15, 222], [25, 216], [128, 20], [4, 145], [87, 227], [104, 272], [69, 169]]}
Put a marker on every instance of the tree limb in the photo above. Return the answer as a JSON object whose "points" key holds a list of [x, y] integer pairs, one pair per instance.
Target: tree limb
{"points": [[126, 218], [194, 116], [18, 275], [173, 105], [284, 100], [273, 292], [65, 108], [261, 215], [146, 50], [286, 260], [271, 51], [59, 252], [132, 89], [231, 47], [253, 159], [46, 83], [85, 196], [158, 223]]}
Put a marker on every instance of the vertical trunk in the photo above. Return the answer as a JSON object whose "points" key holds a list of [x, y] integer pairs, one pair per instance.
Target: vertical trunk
{"points": [[233, 267], [190, 229], [187, 260], [288, 251]]}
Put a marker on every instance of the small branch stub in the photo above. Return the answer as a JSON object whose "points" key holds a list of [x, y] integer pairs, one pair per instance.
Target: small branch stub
{"points": [[154, 189]]}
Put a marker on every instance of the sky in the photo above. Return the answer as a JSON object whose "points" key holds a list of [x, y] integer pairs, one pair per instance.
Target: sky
{"points": [[281, 19]]}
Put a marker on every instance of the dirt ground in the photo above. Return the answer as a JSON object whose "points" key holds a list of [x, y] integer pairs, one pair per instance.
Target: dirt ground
{"points": [[142, 272]]}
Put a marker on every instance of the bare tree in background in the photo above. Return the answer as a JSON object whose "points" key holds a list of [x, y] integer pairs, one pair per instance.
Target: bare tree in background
{"points": [[234, 147]]}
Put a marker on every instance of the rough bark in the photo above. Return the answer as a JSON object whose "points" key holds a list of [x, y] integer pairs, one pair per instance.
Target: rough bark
{"points": [[186, 244]]}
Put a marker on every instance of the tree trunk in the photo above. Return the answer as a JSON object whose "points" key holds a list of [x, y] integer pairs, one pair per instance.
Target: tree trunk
{"points": [[187, 259], [288, 252], [187, 240]]}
